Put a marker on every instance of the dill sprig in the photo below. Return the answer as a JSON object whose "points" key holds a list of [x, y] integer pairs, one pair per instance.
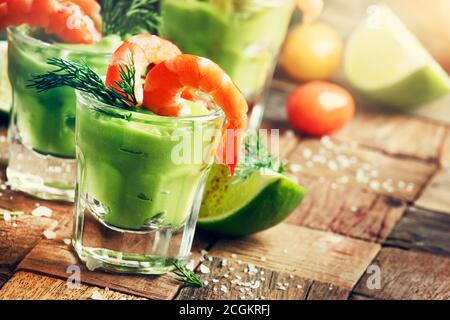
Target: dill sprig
{"points": [[124, 17], [80, 76], [187, 277], [255, 158]]}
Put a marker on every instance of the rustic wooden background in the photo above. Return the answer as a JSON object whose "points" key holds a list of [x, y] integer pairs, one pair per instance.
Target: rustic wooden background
{"points": [[388, 208]]}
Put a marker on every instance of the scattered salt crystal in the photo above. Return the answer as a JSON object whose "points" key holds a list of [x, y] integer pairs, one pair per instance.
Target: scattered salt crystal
{"points": [[14, 225], [256, 284], [295, 168], [262, 272], [330, 288], [42, 211], [97, 296], [204, 269], [354, 209], [215, 280], [223, 288], [67, 241], [210, 258], [307, 153], [190, 265], [7, 216], [49, 234], [226, 275], [234, 256], [291, 276], [239, 262], [203, 252], [205, 283], [401, 184], [3, 186], [224, 262], [332, 165], [374, 185], [299, 286]]}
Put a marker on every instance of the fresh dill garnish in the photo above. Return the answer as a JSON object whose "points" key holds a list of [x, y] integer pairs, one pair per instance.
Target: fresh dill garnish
{"points": [[124, 17], [80, 76], [187, 277], [256, 157]]}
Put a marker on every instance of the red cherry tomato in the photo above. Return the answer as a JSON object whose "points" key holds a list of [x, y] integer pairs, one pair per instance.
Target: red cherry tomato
{"points": [[319, 108]]}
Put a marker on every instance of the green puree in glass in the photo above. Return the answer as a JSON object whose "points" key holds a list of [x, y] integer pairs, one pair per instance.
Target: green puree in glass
{"points": [[46, 120], [243, 37], [127, 167]]}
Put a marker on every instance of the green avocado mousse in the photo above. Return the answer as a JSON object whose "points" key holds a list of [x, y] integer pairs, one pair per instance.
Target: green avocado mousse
{"points": [[144, 150], [42, 123], [242, 36]]}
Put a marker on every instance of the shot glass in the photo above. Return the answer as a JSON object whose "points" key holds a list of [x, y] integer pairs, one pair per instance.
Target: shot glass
{"points": [[42, 124], [139, 185], [243, 36]]}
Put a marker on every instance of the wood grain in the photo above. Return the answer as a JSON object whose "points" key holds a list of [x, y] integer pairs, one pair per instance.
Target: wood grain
{"points": [[395, 177], [393, 133], [222, 283], [423, 231], [312, 254], [445, 151], [6, 272], [52, 258], [31, 286], [409, 275], [346, 210], [20, 235], [436, 195]]}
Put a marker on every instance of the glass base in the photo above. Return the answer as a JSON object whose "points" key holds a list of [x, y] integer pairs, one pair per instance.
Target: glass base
{"points": [[118, 250], [43, 176]]}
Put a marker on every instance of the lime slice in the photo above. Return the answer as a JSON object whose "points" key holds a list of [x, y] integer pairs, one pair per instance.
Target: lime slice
{"points": [[387, 63], [5, 86], [261, 201]]}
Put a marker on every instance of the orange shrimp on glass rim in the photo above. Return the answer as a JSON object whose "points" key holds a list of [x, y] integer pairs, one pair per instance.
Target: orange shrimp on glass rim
{"points": [[174, 77], [74, 21]]}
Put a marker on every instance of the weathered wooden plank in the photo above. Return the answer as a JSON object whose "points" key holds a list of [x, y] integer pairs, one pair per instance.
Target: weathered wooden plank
{"points": [[19, 235], [52, 257], [346, 210], [31, 286], [436, 195], [347, 163], [393, 133], [312, 254], [238, 280], [5, 273], [3, 146], [423, 231], [409, 275]]}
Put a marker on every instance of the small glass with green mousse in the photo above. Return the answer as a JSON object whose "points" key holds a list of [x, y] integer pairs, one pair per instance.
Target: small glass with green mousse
{"points": [[42, 124], [242, 36], [140, 183]]}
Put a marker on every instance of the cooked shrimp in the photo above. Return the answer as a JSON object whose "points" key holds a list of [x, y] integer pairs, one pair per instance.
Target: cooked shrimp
{"points": [[145, 50], [167, 81], [62, 18], [92, 9]]}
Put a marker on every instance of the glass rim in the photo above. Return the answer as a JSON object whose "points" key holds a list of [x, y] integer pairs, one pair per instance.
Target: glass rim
{"points": [[89, 100], [23, 36]]}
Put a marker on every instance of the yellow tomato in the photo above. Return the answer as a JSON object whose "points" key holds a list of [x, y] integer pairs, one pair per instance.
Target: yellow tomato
{"points": [[312, 52]]}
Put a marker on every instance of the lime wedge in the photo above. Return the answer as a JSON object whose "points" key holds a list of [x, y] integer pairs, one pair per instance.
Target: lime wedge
{"points": [[5, 86], [387, 63], [240, 208]]}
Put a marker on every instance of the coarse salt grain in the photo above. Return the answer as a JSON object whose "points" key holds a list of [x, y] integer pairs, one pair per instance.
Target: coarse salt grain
{"points": [[204, 269], [295, 168], [42, 211], [224, 262], [190, 265], [67, 241], [49, 234], [234, 256], [7, 216], [97, 296]]}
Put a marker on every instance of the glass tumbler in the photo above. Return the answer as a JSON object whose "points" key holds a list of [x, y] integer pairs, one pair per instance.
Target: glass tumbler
{"points": [[243, 36], [139, 185], [42, 124]]}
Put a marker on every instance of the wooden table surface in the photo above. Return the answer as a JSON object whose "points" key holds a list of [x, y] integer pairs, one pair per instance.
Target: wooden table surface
{"points": [[379, 201]]}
